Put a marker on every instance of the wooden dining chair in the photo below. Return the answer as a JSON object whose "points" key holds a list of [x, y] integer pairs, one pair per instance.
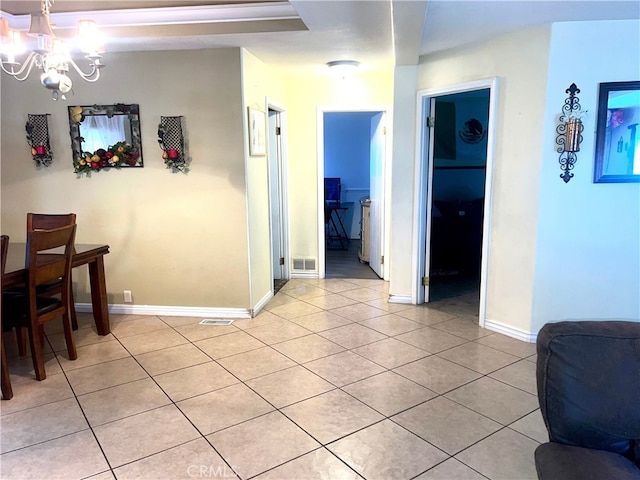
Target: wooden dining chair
{"points": [[7, 391], [33, 310], [47, 221]]}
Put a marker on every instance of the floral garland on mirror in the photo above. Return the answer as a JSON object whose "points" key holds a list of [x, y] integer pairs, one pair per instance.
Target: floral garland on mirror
{"points": [[116, 156]]}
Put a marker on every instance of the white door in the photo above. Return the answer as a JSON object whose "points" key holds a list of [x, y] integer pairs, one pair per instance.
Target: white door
{"points": [[376, 193], [277, 252], [429, 109]]}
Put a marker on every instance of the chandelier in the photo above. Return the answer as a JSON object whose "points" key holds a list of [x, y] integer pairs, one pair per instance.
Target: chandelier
{"points": [[50, 55]]}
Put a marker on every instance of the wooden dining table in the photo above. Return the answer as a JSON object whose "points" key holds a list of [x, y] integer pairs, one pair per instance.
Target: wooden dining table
{"points": [[85, 254]]}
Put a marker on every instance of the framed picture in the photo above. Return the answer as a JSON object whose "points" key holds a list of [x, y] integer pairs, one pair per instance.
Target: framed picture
{"points": [[257, 132], [618, 133]]}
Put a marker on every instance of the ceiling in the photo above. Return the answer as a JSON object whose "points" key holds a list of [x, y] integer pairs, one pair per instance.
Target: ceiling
{"points": [[309, 33]]}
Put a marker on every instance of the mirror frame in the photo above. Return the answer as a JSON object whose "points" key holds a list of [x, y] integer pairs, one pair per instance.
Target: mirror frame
{"points": [[131, 110], [600, 175]]}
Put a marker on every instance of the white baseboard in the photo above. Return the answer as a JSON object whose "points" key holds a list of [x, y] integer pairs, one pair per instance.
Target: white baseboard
{"points": [[510, 331], [400, 299], [170, 311], [261, 304], [304, 275]]}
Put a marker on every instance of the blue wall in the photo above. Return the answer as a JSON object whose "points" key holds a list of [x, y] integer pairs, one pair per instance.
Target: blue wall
{"points": [[347, 138]]}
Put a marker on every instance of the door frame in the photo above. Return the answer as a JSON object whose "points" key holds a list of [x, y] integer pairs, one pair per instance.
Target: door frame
{"points": [[283, 179], [386, 178], [424, 179]]}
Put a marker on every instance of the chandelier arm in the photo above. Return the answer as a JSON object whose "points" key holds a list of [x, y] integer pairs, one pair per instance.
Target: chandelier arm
{"points": [[27, 65], [92, 76]]}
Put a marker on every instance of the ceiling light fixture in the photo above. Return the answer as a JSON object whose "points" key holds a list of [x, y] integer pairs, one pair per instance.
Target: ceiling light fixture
{"points": [[50, 55], [343, 67]]}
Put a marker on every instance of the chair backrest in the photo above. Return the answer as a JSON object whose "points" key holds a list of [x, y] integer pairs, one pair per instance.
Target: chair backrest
{"points": [[46, 221], [588, 375], [332, 190], [43, 266]]}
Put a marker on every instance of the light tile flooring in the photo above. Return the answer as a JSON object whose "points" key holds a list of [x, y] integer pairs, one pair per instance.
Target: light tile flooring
{"points": [[328, 382]]}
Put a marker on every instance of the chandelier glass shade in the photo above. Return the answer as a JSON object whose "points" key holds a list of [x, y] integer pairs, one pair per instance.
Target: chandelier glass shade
{"points": [[50, 55]]}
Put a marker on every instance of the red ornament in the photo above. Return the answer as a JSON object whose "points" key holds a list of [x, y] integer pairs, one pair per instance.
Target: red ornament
{"points": [[95, 165], [109, 154]]}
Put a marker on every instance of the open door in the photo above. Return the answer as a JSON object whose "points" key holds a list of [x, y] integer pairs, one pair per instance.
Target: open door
{"points": [[277, 198], [429, 108], [376, 193], [474, 132], [457, 178]]}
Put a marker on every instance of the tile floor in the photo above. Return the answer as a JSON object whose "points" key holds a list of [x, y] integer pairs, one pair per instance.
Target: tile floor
{"points": [[328, 382]]}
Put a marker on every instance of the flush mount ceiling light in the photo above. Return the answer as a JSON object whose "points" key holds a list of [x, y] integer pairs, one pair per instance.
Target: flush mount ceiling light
{"points": [[50, 55], [343, 67]]}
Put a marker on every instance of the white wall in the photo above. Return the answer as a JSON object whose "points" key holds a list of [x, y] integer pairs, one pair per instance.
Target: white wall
{"points": [[588, 245], [303, 94], [402, 178], [519, 59], [255, 89]]}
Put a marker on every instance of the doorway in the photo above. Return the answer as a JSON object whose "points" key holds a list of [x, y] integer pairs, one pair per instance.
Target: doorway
{"points": [[277, 196], [457, 207], [453, 197], [352, 191]]}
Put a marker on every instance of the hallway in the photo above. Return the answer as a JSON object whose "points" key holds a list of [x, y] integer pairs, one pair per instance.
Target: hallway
{"points": [[346, 264]]}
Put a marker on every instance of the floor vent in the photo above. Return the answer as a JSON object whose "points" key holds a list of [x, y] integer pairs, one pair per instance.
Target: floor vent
{"points": [[304, 263], [211, 321]]}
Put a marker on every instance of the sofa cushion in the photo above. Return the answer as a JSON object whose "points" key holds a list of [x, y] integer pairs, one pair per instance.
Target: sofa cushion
{"points": [[588, 376], [555, 461]]}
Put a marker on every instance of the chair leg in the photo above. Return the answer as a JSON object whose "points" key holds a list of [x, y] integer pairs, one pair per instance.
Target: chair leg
{"points": [[72, 311], [68, 336], [36, 353], [21, 339], [7, 391]]}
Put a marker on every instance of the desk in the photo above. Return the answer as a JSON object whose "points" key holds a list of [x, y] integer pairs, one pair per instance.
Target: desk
{"points": [[86, 254], [336, 234]]}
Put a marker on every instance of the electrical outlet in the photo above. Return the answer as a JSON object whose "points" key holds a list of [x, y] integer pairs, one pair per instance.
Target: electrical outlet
{"points": [[127, 296]]}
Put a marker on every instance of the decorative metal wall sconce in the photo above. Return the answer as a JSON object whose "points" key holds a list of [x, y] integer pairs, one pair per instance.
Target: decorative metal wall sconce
{"points": [[569, 132], [38, 137], [171, 141]]}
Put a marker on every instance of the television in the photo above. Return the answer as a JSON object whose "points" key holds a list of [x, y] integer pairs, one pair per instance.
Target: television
{"points": [[332, 190]]}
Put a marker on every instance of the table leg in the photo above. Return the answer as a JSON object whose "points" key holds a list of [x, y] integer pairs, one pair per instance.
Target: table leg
{"points": [[99, 296], [7, 391]]}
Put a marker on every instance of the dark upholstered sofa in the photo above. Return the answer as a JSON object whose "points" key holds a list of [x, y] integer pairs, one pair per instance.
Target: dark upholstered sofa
{"points": [[588, 375]]}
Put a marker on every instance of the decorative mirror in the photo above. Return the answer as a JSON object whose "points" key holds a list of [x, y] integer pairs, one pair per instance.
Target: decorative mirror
{"points": [[105, 136], [618, 133]]}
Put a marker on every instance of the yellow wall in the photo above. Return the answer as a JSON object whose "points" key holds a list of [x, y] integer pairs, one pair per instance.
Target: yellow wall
{"points": [[175, 239], [303, 94], [520, 60], [255, 89]]}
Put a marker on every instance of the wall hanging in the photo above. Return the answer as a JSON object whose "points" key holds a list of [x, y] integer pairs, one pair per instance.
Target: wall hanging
{"points": [[38, 138], [618, 133], [569, 132], [171, 141], [105, 136]]}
